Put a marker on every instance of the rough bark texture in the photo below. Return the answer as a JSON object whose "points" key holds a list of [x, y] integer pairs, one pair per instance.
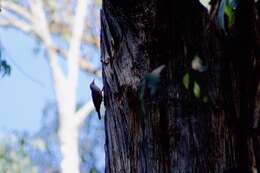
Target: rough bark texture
{"points": [[179, 132]]}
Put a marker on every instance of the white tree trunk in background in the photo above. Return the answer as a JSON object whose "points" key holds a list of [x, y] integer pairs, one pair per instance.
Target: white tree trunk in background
{"points": [[65, 86], [69, 126], [69, 144]]}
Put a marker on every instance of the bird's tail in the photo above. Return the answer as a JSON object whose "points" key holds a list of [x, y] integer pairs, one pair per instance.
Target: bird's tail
{"points": [[99, 115]]}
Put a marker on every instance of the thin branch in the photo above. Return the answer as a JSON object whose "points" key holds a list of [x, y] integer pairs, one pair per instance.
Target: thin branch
{"points": [[56, 26], [42, 27], [12, 22], [61, 29], [83, 64], [91, 39], [17, 9], [28, 29], [84, 111], [89, 68]]}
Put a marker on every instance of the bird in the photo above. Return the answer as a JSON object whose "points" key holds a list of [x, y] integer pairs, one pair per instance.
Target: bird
{"points": [[96, 96], [151, 81]]}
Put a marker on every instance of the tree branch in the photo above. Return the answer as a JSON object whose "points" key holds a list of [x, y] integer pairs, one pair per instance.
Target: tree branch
{"points": [[84, 111], [19, 10], [41, 24], [83, 64], [28, 29], [62, 29], [74, 48], [12, 22]]}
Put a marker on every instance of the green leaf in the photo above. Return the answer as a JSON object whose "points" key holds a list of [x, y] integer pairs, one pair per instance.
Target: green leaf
{"points": [[186, 80], [197, 64], [226, 8], [196, 89], [230, 13]]}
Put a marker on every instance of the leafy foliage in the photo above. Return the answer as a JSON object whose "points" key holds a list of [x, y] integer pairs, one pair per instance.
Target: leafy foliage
{"points": [[230, 13], [13, 156], [186, 80], [5, 68], [40, 153], [90, 142], [193, 83], [196, 89], [226, 14], [194, 79], [197, 64]]}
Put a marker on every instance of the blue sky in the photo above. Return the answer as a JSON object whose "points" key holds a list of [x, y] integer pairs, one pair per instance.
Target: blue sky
{"points": [[23, 96]]}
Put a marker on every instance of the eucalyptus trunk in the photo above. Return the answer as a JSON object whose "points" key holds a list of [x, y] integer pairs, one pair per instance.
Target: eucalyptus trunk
{"points": [[213, 131]]}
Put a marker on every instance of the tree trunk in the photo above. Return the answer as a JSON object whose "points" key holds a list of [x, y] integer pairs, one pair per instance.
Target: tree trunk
{"points": [[69, 145], [69, 129], [179, 133]]}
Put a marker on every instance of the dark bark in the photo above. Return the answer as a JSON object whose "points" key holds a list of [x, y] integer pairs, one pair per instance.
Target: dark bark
{"points": [[179, 132]]}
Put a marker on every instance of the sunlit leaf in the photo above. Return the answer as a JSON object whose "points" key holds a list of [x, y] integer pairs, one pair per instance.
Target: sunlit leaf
{"points": [[227, 8], [186, 80], [230, 13], [206, 4], [197, 64], [196, 89]]}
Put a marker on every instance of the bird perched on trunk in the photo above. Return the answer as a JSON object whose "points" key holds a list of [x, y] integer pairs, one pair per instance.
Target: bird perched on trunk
{"points": [[151, 81], [96, 97]]}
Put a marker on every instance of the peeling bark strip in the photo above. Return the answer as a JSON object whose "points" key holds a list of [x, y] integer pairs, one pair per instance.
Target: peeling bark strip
{"points": [[181, 133]]}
